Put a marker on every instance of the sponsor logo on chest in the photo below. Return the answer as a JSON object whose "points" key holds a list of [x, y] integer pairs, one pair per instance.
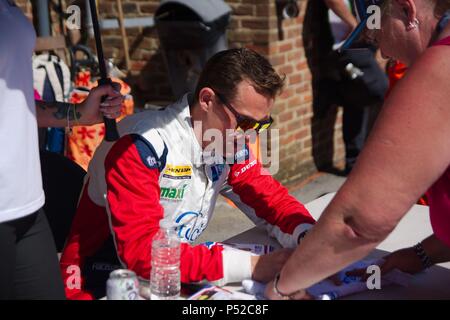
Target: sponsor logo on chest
{"points": [[177, 172], [190, 225], [176, 194]]}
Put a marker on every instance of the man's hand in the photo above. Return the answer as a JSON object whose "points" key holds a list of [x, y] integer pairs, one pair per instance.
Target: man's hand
{"points": [[405, 260], [92, 110], [264, 268]]}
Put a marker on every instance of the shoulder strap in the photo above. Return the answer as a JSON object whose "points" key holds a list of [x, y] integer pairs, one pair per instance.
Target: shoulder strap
{"points": [[54, 81], [445, 20]]}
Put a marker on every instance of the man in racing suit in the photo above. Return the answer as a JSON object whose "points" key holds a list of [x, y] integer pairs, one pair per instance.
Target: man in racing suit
{"points": [[156, 171]]}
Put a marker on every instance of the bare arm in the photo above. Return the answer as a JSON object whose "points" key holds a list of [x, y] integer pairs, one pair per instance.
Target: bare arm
{"points": [[408, 260], [90, 111], [436, 250], [57, 114], [407, 152], [339, 7]]}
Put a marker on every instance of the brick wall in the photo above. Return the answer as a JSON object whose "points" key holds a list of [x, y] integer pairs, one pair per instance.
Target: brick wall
{"points": [[307, 141]]}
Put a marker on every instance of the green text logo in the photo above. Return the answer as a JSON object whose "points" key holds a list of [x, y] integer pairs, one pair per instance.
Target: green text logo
{"points": [[173, 193]]}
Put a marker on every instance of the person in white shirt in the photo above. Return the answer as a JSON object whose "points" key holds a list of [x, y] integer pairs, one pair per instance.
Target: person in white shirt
{"points": [[28, 263]]}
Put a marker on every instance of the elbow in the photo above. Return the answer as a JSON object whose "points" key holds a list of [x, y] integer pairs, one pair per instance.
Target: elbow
{"points": [[368, 230]]}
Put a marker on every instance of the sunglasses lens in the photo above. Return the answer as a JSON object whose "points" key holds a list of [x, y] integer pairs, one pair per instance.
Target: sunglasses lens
{"points": [[265, 126], [247, 124], [252, 125]]}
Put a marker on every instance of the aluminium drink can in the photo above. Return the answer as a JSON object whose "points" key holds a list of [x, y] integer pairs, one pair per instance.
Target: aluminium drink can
{"points": [[122, 285]]}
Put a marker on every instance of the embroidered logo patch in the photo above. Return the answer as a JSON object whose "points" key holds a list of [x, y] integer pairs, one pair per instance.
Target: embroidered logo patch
{"points": [[176, 194], [177, 172]]}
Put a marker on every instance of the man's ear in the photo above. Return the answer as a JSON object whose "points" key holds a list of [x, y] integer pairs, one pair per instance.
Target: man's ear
{"points": [[409, 8], [206, 97]]}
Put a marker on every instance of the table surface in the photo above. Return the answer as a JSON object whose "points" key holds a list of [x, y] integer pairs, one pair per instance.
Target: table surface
{"points": [[414, 227]]}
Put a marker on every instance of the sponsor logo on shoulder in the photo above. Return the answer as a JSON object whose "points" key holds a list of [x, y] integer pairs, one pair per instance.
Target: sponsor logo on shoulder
{"points": [[242, 155], [152, 162], [178, 172], [245, 168]]}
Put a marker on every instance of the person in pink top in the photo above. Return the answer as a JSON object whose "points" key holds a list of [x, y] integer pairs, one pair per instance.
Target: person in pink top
{"points": [[407, 154]]}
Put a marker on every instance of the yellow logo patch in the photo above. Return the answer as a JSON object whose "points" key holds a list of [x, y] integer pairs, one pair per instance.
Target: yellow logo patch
{"points": [[177, 172]]}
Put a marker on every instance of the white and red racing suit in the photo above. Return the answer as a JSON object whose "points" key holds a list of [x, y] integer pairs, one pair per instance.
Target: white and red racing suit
{"points": [[155, 171]]}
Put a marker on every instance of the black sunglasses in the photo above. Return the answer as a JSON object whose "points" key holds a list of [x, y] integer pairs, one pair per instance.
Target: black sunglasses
{"points": [[245, 123]]}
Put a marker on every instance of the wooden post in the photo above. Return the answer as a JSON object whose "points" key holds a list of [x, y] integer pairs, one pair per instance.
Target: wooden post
{"points": [[124, 35]]}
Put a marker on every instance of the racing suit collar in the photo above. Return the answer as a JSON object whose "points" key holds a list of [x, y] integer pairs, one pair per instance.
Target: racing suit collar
{"points": [[185, 119]]}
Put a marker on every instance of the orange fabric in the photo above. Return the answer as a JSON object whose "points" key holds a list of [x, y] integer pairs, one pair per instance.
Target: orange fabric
{"points": [[396, 71], [84, 140], [423, 200]]}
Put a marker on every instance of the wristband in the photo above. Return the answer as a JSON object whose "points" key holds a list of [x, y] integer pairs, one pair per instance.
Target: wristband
{"points": [[281, 294], [422, 255]]}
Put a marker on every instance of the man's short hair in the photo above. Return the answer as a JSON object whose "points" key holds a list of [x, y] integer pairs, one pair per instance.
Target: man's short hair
{"points": [[226, 69]]}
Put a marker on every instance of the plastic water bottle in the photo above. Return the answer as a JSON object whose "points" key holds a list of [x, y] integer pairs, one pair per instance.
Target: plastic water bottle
{"points": [[165, 274]]}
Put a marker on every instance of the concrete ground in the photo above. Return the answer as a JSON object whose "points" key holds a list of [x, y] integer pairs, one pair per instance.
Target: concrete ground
{"points": [[228, 221]]}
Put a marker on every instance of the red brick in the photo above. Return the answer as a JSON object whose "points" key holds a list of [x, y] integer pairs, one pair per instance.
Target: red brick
{"points": [[307, 143], [295, 79], [285, 47], [293, 126], [265, 11], [242, 36], [259, 24], [287, 93], [244, 10], [277, 60], [286, 69], [307, 98], [295, 101], [257, 2], [285, 116], [302, 66], [261, 37]]}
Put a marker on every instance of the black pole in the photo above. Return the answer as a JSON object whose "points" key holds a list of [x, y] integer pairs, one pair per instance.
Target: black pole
{"points": [[111, 133], [43, 18]]}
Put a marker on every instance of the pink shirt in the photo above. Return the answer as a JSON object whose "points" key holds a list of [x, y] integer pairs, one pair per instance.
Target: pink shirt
{"points": [[439, 200], [439, 195]]}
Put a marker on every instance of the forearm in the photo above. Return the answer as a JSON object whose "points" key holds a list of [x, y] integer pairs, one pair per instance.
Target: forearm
{"points": [[436, 250], [319, 256], [57, 114], [398, 164], [104, 101], [340, 8], [267, 203]]}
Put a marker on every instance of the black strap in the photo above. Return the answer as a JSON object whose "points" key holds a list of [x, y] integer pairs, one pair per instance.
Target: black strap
{"points": [[445, 20], [442, 24]]}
